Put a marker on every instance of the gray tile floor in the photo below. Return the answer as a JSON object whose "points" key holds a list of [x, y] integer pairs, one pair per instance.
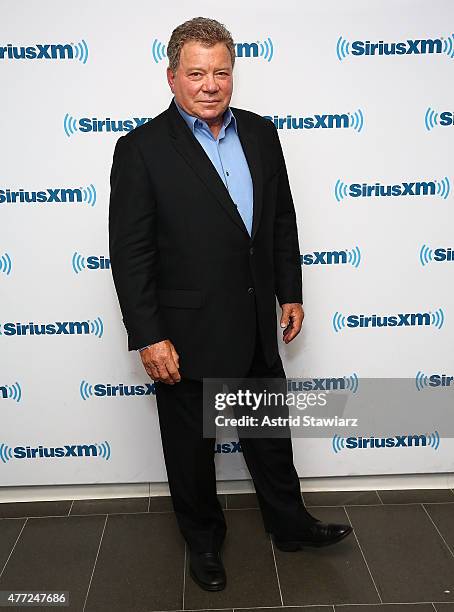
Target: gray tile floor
{"points": [[127, 555]]}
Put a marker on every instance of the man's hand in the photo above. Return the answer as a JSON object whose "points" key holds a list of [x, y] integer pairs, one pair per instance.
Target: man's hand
{"points": [[291, 320], [161, 361]]}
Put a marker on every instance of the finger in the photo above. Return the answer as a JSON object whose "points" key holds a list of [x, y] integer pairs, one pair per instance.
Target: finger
{"points": [[154, 373], [289, 337], [148, 368], [293, 330], [172, 366], [285, 320], [175, 356], [173, 371], [164, 375], [159, 373]]}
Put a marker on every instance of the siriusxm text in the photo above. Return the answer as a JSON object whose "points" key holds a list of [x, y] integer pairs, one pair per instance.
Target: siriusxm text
{"points": [[417, 188], [68, 450], [228, 447], [440, 380], [316, 384], [48, 195], [389, 442], [442, 254], [324, 258], [46, 329], [407, 47], [446, 118], [398, 320], [108, 390], [93, 124], [311, 122], [39, 51], [98, 263]]}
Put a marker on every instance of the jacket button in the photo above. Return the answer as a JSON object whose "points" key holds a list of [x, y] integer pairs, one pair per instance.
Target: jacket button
{"points": [[251, 251], [250, 290]]}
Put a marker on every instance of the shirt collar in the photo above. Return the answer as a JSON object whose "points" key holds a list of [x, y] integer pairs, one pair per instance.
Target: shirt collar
{"points": [[194, 122]]}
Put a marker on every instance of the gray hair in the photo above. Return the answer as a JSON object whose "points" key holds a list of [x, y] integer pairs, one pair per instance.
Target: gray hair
{"points": [[203, 30]]}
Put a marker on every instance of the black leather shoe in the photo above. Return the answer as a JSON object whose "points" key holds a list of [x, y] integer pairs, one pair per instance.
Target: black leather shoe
{"points": [[318, 534], [207, 570]]}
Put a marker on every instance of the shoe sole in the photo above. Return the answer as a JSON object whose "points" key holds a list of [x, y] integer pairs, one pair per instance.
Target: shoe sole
{"points": [[206, 587], [298, 545]]}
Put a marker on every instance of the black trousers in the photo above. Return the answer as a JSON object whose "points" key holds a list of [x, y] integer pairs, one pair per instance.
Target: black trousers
{"points": [[189, 459]]}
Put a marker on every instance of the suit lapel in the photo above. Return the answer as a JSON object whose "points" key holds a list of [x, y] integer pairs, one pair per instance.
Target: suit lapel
{"points": [[252, 152], [192, 151], [194, 155]]}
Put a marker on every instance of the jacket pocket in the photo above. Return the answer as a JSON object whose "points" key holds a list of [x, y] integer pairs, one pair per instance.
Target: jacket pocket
{"points": [[180, 298]]}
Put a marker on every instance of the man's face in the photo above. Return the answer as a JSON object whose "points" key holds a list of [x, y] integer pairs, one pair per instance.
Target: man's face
{"points": [[203, 82]]}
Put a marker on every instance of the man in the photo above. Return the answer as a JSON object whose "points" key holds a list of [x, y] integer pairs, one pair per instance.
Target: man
{"points": [[203, 238]]}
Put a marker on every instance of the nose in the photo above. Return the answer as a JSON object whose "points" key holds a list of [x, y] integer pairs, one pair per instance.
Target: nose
{"points": [[209, 84]]}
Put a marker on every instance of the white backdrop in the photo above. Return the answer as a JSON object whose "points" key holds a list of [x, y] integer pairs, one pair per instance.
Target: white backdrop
{"points": [[294, 58]]}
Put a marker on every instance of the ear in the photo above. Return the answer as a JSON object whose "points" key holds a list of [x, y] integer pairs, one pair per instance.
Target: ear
{"points": [[171, 79]]}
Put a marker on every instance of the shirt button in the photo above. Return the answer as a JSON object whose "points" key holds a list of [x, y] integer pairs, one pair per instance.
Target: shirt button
{"points": [[227, 173], [250, 290]]}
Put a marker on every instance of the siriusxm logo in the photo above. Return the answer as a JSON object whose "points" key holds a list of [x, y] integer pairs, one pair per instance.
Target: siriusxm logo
{"points": [[324, 384], [262, 49], [13, 392], [228, 447], [441, 189], [426, 254], [433, 119], [58, 195], [107, 390], [100, 450], [330, 258], [407, 441], [93, 327], [353, 120], [409, 319], [92, 262], [419, 46], [423, 381], [62, 51], [71, 125], [5, 264]]}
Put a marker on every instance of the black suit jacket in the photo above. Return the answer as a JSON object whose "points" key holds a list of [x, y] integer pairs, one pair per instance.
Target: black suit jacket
{"points": [[183, 263]]}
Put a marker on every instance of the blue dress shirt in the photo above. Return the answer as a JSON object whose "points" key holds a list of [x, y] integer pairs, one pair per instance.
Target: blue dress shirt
{"points": [[227, 156]]}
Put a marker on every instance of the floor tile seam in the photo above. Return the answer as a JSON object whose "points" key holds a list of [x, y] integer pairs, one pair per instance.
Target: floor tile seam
{"points": [[438, 531], [94, 564], [284, 607], [13, 547], [364, 556], [277, 572], [184, 573], [71, 513]]}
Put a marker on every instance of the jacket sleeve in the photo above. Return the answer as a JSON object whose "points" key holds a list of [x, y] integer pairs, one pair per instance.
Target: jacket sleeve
{"points": [[133, 245], [287, 261]]}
